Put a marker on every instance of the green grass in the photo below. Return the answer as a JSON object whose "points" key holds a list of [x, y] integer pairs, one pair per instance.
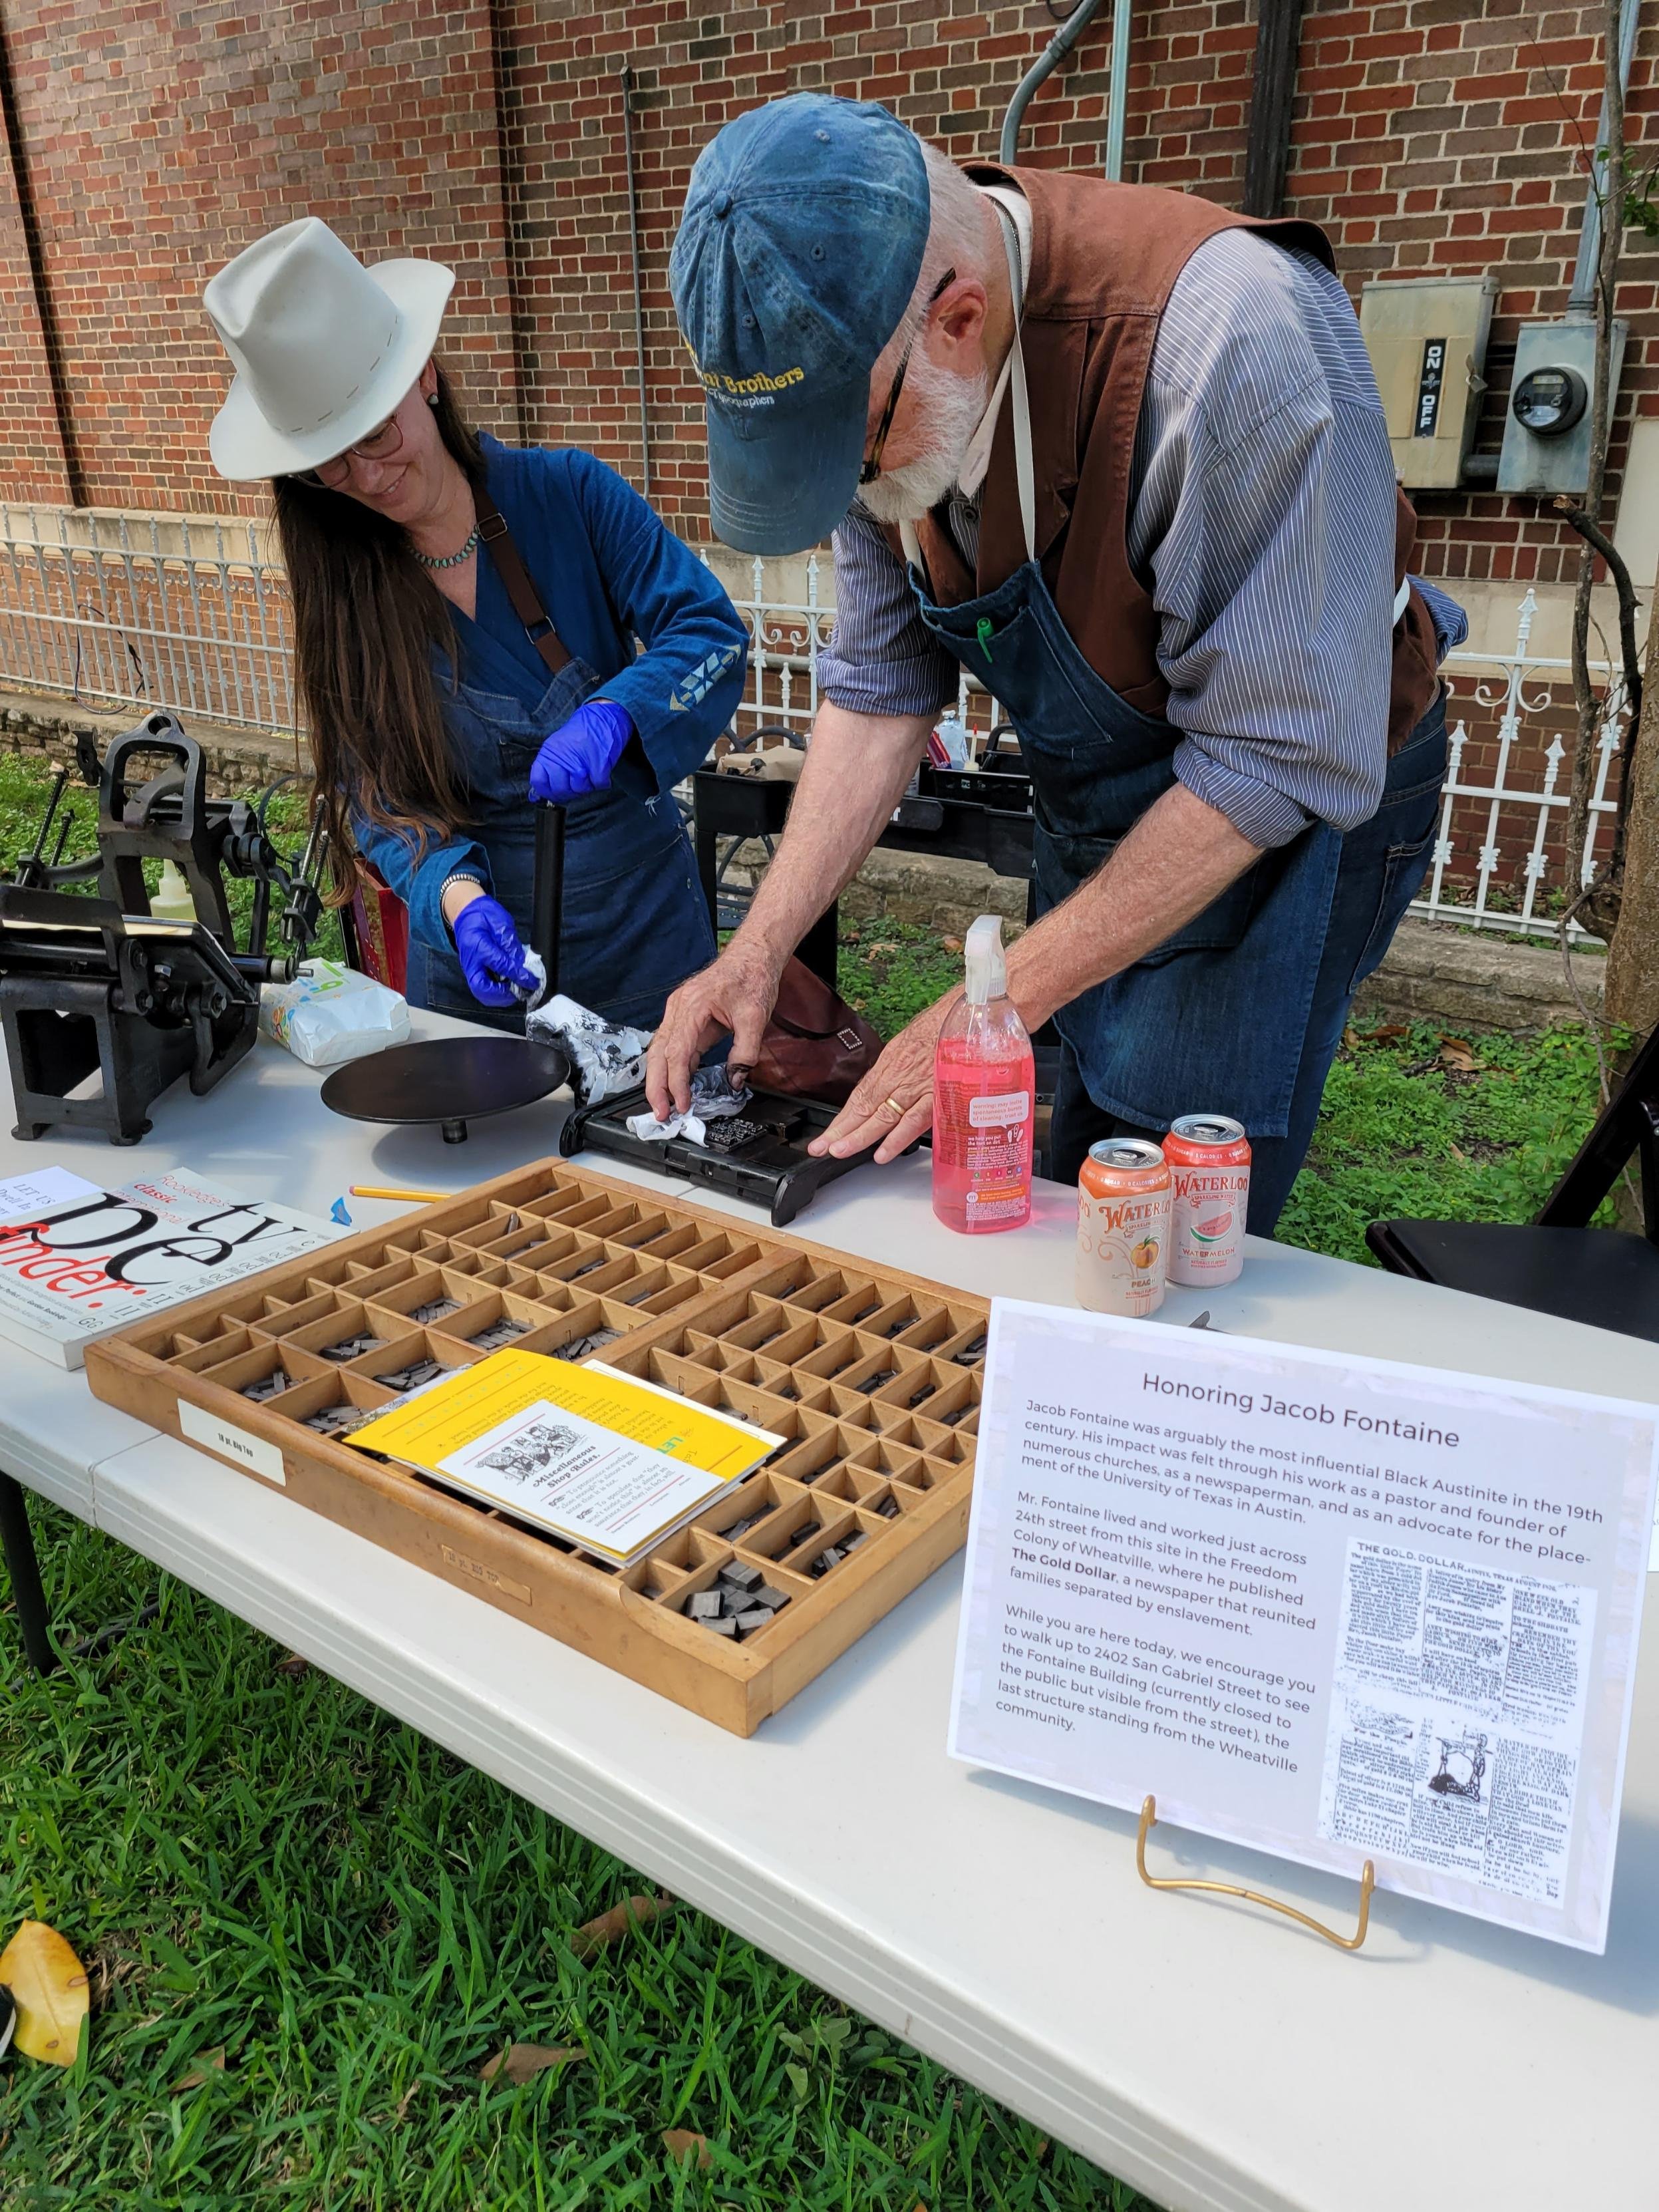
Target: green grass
{"points": [[891, 970], [254, 1859], [259, 1861], [1402, 1133]]}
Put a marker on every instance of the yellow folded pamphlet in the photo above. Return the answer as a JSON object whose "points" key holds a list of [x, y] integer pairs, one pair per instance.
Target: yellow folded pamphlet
{"points": [[600, 1458]]}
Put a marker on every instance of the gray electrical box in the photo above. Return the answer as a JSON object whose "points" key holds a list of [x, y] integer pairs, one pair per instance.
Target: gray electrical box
{"points": [[1546, 424], [1426, 337]]}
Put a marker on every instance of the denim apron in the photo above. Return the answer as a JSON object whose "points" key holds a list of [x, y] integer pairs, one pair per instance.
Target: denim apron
{"points": [[1214, 1019], [636, 923]]}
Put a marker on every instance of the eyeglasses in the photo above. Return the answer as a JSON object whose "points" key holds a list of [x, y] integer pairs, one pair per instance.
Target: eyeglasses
{"points": [[380, 445], [872, 468]]}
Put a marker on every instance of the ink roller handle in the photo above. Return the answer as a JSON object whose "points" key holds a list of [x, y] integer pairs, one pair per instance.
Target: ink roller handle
{"points": [[547, 898]]}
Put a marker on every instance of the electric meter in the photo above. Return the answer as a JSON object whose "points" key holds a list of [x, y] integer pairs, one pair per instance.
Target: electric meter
{"points": [[1547, 428], [1548, 401]]}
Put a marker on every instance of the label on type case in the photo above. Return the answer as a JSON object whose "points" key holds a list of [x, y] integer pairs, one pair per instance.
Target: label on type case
{"points": [[236, 1444]]}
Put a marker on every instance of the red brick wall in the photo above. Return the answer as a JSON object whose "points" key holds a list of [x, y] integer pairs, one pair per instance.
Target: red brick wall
{"points": [[32, 456], [161, 140], [1429, 135], [1440, 137]]}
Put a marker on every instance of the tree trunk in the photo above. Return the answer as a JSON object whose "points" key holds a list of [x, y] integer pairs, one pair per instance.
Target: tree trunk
{"points": [[1580, 823], [1633, 982]]}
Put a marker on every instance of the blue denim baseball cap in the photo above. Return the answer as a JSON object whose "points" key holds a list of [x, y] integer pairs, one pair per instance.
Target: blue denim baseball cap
{"points": [[803, 237]]}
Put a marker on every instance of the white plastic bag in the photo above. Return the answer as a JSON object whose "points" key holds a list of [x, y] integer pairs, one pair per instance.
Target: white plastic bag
{"points": [[330, 1013]]}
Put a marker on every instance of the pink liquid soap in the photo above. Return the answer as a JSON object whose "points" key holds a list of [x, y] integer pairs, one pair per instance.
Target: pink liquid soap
{"points": [[984, 1099]]}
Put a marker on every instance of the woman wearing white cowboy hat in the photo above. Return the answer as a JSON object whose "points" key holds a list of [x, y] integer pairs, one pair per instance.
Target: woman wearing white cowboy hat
{"points": [[434, 716]]}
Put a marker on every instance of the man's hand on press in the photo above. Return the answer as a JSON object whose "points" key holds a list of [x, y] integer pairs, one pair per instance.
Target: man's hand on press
{"points": [[487, 945], [734, 994], [582, 753], [894, 1104]]}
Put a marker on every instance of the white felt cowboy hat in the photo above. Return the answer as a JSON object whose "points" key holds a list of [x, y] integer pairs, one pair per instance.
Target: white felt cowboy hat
{"points": [[324, 349]]}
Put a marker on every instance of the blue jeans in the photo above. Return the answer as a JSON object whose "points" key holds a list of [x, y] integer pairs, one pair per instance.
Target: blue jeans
{"points": [[1383, 863]]}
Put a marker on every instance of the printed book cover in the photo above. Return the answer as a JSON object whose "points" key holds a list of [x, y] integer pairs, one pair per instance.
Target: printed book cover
{"points": [[92, 1260]]}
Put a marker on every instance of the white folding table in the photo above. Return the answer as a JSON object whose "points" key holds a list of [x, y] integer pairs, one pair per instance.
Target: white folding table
{"points": [[1205, 2051]]}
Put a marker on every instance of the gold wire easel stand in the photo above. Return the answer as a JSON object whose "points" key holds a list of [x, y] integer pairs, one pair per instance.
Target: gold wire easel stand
{"points": [[1367, 1884]]}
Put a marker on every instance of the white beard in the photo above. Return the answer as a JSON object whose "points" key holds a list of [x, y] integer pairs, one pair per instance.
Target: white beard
{"points": [[951, 408]]}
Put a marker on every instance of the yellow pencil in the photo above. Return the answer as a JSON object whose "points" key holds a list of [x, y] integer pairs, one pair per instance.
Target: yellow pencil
{"points": [[418, 1197]]}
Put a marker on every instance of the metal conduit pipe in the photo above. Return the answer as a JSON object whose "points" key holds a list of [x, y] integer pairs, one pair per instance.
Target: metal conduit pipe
{"points": [[1581, 301], [1117, 98], [1044, 67]]}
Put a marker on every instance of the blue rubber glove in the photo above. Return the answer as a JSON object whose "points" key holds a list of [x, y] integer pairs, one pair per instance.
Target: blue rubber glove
{"points": [[581, 754], [492, 959]]}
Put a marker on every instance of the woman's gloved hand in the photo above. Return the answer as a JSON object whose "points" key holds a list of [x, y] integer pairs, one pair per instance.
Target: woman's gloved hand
{"points": [[581, 754], [492, 959]]}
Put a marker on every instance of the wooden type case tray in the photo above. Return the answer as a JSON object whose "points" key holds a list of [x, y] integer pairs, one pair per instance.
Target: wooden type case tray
{"points": [[872, 1378]]}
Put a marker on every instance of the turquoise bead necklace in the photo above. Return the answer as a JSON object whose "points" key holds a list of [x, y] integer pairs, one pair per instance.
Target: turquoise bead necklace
{"points": [[449, 559]]}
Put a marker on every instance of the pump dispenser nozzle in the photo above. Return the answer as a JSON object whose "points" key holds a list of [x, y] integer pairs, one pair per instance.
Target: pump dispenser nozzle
{"points": [[987, 970]]}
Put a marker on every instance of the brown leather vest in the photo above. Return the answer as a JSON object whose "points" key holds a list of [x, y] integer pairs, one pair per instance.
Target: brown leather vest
{"points": [[1104, 259]]}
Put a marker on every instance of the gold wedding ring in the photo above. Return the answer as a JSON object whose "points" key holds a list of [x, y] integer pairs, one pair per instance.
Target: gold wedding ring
{"points": [[893, 1106]]}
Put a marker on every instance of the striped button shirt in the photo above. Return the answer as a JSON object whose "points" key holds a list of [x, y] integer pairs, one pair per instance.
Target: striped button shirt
{"points": [[1261, 515]]}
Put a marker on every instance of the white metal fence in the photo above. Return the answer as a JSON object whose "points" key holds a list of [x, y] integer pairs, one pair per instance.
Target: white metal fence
{"points": [[1511, 819], [1497, 861], [121, 611], [145, 611]]}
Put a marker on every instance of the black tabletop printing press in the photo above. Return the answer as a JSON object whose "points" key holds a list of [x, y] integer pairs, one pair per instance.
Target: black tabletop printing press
{"points": [[92, 985]]}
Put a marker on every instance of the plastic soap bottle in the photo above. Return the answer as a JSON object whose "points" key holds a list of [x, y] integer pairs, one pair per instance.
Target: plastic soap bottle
{"points": [[171, 900], [984, 1099]]}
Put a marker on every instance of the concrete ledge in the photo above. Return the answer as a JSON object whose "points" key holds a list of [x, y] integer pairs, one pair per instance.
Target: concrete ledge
{"points": [[1476, 979], [943, 895], [237, 759]]}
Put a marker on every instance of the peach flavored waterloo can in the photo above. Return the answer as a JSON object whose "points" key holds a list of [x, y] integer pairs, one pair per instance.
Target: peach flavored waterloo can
{"points": [[1122, 1226], [1209, 1157]]}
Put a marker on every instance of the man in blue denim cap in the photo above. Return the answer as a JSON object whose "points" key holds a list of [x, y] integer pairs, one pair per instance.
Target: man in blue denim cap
{"points": [[1119, 455]]}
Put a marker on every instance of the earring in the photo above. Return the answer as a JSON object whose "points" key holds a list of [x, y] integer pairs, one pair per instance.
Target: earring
{"points": [[433, 400]]}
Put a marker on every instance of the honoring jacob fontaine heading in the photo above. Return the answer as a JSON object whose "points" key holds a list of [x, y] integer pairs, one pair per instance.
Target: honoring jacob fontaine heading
{"points": [[1351, 1418]]}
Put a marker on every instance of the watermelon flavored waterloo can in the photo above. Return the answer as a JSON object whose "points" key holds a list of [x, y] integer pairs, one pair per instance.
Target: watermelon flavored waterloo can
{"points": [[1122, 1227], [1209, 1157]]}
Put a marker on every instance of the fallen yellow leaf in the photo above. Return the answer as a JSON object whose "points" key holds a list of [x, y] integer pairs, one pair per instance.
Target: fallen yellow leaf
{"points": [[681, 2145], [50, 1984], [522, 2061]]}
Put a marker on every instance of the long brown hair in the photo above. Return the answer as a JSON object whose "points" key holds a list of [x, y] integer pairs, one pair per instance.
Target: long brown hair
{"points": [[366, 618]]}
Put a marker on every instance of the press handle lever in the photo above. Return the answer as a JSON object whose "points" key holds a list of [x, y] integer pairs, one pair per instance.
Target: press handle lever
{"points": [[547, 898]]}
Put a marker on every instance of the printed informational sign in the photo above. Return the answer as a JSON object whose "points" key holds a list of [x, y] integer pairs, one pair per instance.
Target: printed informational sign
{"points": [[1332, 1608]]}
